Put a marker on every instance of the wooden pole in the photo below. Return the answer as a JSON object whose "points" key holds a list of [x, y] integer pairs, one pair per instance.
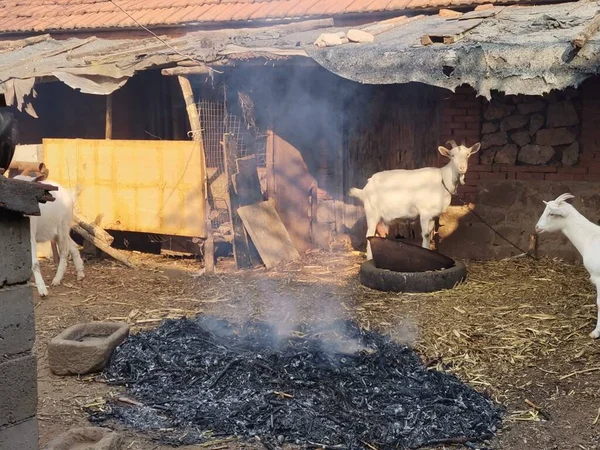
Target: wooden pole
{"points": [[109, 115], [194, 118]]}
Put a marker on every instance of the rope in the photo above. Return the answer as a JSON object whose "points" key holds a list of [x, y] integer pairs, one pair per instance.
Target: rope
{"points": [[486, 223]]}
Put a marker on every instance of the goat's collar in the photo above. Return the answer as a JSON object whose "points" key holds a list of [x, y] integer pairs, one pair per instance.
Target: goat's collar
{"points": [[453, 191]]}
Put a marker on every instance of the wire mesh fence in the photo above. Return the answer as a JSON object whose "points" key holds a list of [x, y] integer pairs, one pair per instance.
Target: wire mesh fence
{"points": [[217, 121]]}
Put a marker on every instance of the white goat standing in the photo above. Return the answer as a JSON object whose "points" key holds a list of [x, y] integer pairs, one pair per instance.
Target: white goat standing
{"points": [[585, 236], [408, 194], [54, 223]]}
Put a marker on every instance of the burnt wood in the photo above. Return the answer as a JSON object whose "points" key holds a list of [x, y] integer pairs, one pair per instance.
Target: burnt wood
{"points": [[24, 196], [401, 256]]}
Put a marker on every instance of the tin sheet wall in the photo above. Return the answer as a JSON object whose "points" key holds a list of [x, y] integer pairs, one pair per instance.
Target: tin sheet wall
{"points": [[144, 186]]}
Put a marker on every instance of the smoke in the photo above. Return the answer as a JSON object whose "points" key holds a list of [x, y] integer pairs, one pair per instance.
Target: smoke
{"points": [[405, 332]]}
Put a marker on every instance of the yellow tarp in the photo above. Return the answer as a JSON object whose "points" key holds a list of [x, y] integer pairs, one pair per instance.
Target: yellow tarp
{"points": [[145, 186]]}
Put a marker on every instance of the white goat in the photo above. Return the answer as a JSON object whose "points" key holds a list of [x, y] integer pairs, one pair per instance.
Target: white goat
{"points": [[54, 223], [407, 194], [585, 236]]}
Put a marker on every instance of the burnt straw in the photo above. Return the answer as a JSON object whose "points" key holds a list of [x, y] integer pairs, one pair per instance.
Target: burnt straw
{"points": [[338, 385]]}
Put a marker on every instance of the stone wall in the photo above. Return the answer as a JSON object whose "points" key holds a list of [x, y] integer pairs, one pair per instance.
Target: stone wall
{"points": [[18, 372], [532, 130], [513, 208]]}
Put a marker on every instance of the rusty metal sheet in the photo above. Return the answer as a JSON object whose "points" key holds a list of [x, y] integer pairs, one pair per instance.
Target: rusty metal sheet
{"points": [[144, 186]]}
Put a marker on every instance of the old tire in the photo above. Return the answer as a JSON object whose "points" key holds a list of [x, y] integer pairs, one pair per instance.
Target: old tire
{"points": [[386, 280]]}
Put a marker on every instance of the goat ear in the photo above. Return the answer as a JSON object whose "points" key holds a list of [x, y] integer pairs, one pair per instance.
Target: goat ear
{"points": [[39, 178], [444, 151], [545, 202], [475, 148]]}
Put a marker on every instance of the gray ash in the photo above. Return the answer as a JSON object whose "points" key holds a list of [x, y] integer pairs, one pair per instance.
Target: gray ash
{"points": [[337, 385]]}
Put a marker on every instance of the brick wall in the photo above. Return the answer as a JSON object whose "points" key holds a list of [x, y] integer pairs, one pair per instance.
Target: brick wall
{"points": [[572, 165], [18, 374], [462, 116]]}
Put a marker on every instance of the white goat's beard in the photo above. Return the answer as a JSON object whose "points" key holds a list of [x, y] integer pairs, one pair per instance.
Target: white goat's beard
{"points": [[462, 179]]}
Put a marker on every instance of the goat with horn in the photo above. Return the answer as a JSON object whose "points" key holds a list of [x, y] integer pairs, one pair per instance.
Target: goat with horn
{"points": [[407, 194], [583, 234]]}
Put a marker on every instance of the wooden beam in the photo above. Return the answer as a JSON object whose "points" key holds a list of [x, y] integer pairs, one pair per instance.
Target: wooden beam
{"points": [[183, 71], [99, 243], [109, 117], [196, 131], [590, 29], [93, 229]]}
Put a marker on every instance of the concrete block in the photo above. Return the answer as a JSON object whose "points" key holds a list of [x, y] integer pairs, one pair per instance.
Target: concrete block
{"points": [[85, 348], [17, 325], [90, 438], [18, 390], [22, 436], [15, 248]]}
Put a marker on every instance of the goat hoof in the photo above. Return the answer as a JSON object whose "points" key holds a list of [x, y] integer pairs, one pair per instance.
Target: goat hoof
{"points": [[43, 292], [56, 282], [595, 334], [80, 277]]}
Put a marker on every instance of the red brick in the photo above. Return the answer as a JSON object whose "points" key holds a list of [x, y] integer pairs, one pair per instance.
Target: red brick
{"points": [[495, 176], [496, 167], [585, 157], [537, 169], [508, 168], [471, 104], [466, 189], [457, 126], [466, 119], [559, 176], [577, 170], [454, 111], [474, 112], [594, 167], [587, 177], [529, 176], [473, 126], [471, 175], [511, 175], [480, 168]]}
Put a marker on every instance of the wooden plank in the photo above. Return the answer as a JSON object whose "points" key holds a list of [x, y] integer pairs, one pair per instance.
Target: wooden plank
{"points": [[196, 126], [449, 32], [247, 185], [268, 233], [241, 252], [387, 25], [270, 157], [247, 188], [481, 14], [590, 29]]}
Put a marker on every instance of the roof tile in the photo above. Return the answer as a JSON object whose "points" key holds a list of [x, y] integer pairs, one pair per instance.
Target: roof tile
{"points": [[44, 15]]}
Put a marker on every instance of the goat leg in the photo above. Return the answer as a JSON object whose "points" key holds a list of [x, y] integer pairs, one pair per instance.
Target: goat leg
{"points": [[596, 333], [35, 267]]}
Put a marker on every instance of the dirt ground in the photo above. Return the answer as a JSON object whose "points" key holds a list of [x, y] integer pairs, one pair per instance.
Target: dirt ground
{"points": [[517, 329]]}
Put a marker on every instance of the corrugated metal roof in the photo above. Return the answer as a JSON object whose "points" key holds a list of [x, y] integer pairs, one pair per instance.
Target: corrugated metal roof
{"points": [[26, 16]]}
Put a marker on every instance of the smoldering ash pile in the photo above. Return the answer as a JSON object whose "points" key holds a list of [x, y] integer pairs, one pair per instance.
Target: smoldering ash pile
{"points": [[336, 386]]}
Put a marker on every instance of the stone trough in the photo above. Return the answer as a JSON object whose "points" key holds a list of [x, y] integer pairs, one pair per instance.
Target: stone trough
{"points": [[88, 438], [85, 348]]}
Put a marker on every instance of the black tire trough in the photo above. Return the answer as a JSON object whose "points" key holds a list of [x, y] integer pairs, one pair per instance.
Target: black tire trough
{"points": [[430, 281]]}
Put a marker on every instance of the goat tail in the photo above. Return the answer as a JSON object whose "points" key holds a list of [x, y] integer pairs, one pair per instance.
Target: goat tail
{"points": [[355, 192]]}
